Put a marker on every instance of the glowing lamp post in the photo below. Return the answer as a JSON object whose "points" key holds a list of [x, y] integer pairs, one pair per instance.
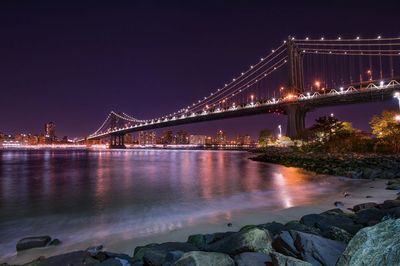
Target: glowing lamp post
{"points": [[280, 131], [397, 96], [252, 99]]}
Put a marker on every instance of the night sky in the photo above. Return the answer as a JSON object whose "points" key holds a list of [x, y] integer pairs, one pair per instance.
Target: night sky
{"points": [[72, 62]]}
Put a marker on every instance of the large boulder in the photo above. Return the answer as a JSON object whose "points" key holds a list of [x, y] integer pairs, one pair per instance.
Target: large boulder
{"points": [[274, 228], [387, 204], [201, 241], [370, 217], [249, 240], [200, 258], [252, 259], [308, 247], [155, 254], [71, 258], [363, 206], [33, 242], [375, 245], [298, 226], [282, 260]]}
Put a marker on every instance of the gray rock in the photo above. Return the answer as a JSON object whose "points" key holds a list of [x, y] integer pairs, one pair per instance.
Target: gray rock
{"points": [[338, 234], [336, 211], [251, 240], [311, 219], [369, 217], [375, 245], [284, 243], [364, 206], [252, 259], [32, 242], [55, 242], [201, 241], [311, 248], [393, 187], [94, 249], [338, 204], [155, 254], [172, 257], [341, 222], [274, 228], [201, 258], [297, 226], [76, 258], [387, 204], [111, 262], [282, 260]]}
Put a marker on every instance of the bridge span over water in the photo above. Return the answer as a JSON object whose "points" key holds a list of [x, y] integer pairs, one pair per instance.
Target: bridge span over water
{"points": [[369, 65]]}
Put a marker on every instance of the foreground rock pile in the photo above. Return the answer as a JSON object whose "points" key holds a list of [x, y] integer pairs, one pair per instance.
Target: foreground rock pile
{"points": [[369, 235], [368, 166]]}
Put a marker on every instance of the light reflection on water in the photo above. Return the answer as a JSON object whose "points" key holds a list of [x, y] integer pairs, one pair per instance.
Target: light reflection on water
{"points": [[79, 196]]}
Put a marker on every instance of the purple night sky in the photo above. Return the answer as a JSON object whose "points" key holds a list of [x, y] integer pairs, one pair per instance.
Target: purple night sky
{"points": [[72, 62]]}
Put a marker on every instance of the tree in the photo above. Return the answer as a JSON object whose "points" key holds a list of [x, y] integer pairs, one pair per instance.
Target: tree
{"points": [[265, 137], [326, 127], [387, 129]]}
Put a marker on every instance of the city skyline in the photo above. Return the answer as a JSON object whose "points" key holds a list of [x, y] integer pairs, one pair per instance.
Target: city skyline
{"points": [[117, 62]]}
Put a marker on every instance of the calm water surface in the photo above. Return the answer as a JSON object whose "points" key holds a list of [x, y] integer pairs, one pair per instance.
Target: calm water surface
{"points": [[79, 196]]}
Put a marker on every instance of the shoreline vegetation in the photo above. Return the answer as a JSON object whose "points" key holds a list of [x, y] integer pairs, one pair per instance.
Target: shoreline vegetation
{"points": [[367, 233]]}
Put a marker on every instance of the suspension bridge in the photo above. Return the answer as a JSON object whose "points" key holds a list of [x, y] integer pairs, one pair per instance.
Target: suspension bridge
{"points": [[315, 73]]}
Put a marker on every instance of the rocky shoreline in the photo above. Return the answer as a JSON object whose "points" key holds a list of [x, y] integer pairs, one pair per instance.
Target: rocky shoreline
{"points": [[366, 166], [369, 233]]}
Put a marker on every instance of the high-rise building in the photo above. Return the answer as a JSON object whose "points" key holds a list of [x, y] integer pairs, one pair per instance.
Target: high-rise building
{"points": [[221, 137], [167, 137], [182, 137], [147, 138], [50, 131], [247, 140], [197, 140]]}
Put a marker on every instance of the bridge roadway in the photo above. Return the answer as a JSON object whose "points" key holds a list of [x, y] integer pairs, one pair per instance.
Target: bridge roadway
{"points": [[295, 107]]}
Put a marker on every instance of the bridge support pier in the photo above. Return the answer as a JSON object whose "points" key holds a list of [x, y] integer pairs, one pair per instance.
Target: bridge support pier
{"points": [[117, 142], [296, 120]]}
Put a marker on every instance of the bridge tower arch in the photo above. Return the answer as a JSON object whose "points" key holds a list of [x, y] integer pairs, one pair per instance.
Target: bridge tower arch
{"points": [[295, 113]]}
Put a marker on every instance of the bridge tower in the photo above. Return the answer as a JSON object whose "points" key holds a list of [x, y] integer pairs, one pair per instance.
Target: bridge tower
{"points": [[295, 112], [116, 140]]}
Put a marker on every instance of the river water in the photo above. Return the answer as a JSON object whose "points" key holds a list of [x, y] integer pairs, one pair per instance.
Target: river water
{"points": [[84, 197]]}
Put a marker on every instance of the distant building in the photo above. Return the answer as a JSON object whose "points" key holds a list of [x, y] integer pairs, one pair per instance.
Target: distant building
{"points": [[168, 137], [197, 139], [247, 140], [209, 140], [128, 139], [221, 137], [50, 131], [182, 137], [147, 138]]}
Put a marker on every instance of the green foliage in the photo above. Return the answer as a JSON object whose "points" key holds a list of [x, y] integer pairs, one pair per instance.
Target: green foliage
{"points": [[387, 131], [265, 137]]}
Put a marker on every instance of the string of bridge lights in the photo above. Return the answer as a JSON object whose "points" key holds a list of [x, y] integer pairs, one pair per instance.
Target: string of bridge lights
{"points": [[125, 117], [229, 90], [340, 39], [247, 85], [237, 79], [234, 93]]}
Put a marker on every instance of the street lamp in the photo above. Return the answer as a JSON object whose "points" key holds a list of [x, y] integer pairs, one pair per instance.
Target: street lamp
{"points": [[397, 118], [280, 131], [252, 98], [369, 72], [397, 96]]}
